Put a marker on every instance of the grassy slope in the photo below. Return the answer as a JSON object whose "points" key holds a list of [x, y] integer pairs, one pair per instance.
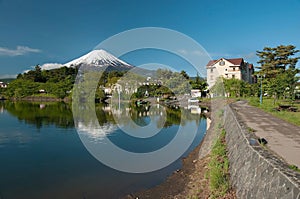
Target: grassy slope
{"points": [[218, 168]]}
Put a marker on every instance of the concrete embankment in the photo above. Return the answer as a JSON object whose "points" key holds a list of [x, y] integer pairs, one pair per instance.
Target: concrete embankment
{"points": [[255, 171]]}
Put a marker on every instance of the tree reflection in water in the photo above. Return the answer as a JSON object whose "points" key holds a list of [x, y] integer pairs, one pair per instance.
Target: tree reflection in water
{"points": [[60, 114]]}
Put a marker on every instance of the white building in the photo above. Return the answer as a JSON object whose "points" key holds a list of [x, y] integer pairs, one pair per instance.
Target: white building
{"points": [[195, 93], [229, 68], [3, 85]]}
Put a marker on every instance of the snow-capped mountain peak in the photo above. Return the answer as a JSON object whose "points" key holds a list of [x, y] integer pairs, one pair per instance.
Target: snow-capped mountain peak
{"points": [[98, 58]]}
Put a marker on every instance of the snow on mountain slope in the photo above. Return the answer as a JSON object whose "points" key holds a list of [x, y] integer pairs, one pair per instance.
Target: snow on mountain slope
{"points": [[99, 58]]}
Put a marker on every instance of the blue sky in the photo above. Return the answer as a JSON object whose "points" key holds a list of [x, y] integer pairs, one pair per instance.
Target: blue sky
{"points": [[38, 32]]}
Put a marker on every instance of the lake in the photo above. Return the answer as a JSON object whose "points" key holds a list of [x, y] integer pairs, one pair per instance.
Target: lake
{"points": [[43, 156]]}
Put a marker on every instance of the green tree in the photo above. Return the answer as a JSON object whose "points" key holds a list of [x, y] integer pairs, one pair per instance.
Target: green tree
{"points": [[199, 83], [274, 60], [99, 94], [279, 67], [163, 74], [184, 74], [283, 85], [235, 87], [21, 88], [38, 77], [178, 84]]}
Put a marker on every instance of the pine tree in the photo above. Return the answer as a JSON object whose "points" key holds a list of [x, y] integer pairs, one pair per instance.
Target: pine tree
{"points": [[279, 67], [276, 60]]}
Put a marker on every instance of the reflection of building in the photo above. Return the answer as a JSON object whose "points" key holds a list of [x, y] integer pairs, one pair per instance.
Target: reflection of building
{"points": [[195, 109], [123, 88], [107, 91], [42, 106], [229, 69]]}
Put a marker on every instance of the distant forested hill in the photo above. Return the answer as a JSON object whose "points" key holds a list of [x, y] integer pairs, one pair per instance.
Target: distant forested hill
{"points": [[7, 80]]}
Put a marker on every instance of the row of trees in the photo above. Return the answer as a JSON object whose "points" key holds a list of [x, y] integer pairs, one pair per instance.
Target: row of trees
{"points": [[279, 72], [56, 83], [59, 83], [171, 83]]}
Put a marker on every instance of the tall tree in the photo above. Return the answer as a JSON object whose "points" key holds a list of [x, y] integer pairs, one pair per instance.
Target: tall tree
{"points": [[38, 76], [278, 64], [274, 60], [184, 74]]}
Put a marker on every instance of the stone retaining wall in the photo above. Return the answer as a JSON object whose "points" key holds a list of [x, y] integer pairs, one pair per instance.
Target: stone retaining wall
{"points": [[255, 171]]}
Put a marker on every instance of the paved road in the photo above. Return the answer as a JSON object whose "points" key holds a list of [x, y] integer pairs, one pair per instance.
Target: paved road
{"points": [[283, 138]]}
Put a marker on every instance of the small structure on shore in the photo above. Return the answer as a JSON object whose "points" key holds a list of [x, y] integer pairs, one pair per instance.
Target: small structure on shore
{"points": [[196, 93], [42, 91], [3, 85]]}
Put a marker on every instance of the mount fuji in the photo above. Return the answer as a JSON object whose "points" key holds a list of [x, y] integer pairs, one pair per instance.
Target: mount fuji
{"points": [[99, 58]]}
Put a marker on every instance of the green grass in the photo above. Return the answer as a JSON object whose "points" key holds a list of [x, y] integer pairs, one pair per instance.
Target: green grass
{"points": [[294, 167], [251, 130], [269, 106], [218, 168]]}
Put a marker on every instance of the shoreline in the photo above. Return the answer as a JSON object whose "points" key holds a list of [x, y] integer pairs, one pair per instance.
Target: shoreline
{"points": [[191, 180], [37, 99]]}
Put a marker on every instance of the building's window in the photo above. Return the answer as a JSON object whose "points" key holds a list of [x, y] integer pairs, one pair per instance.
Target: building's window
{"points": [[225, 69], [233, 76], [233, 69], [222, 63], [211, 70], [226, 75]]}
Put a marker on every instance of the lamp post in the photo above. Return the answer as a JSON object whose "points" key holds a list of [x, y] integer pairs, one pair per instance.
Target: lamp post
{"points": [[261, 88]]}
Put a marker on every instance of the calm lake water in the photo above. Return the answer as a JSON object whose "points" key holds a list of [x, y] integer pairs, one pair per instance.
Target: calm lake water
{"points": [[42, 155]]}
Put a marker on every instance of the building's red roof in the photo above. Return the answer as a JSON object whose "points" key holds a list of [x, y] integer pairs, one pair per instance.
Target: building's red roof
{"points": [[235, 61], [211, 62]]}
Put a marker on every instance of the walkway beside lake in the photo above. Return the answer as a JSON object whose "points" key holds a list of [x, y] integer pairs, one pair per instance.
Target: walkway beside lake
{"points": [[283, 138]]}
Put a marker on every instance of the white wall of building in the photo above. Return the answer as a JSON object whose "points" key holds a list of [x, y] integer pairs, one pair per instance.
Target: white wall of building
{"points": [[228, 70]]}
